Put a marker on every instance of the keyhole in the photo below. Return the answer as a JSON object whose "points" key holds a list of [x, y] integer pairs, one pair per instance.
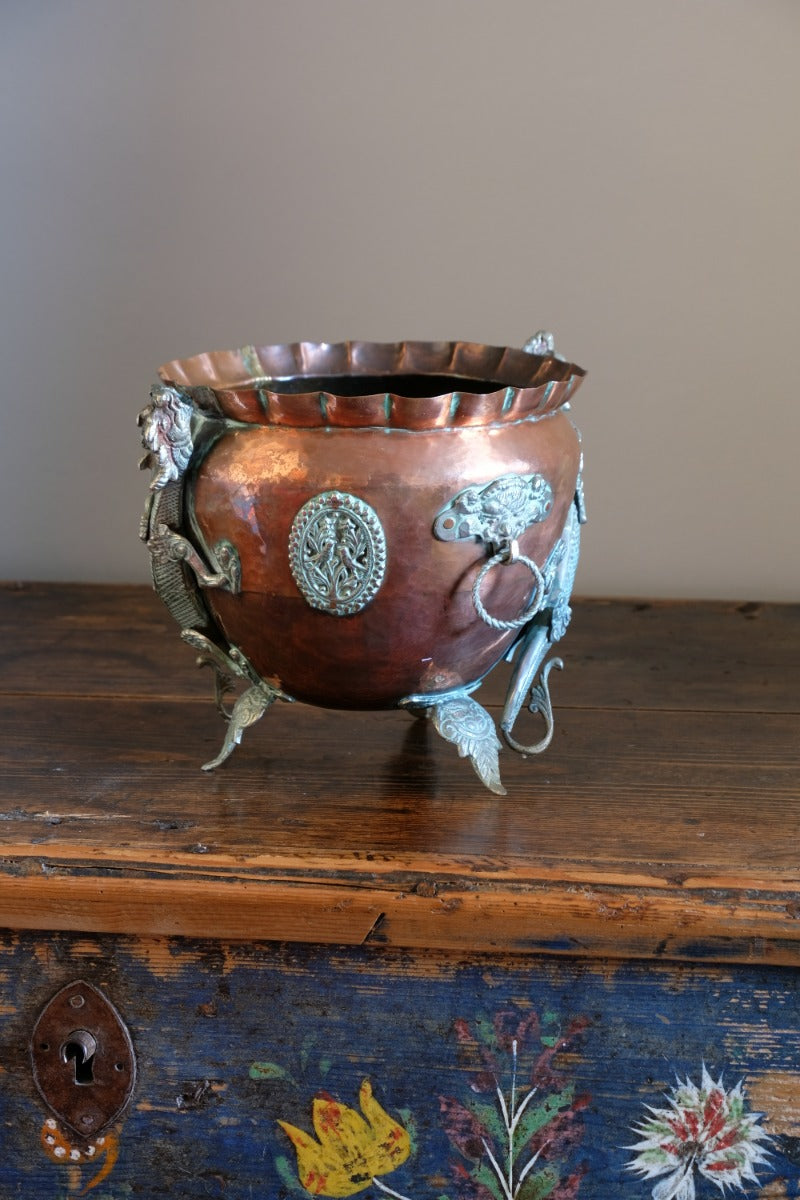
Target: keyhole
{"points": [[79, 1049]]}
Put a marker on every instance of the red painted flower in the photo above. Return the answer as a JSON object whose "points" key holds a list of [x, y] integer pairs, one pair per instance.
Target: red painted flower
{"points": [[706, 1131]]}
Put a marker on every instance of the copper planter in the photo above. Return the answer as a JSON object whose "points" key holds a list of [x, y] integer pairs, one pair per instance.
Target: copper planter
{"points": [[368, 525]]}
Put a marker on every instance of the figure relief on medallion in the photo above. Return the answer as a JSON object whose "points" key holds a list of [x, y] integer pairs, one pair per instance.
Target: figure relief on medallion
{"points": [[337, 553]]}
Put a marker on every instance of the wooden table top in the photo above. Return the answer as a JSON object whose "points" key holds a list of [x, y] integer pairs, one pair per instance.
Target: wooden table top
{"points": [[662, 822]]}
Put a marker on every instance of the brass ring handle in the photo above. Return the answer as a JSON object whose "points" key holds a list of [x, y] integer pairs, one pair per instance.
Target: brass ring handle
{"points": [[509, 554]]}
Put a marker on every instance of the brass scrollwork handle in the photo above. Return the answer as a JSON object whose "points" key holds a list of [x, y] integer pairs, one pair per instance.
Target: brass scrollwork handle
{"points": [[166, 545], [509, 554]]}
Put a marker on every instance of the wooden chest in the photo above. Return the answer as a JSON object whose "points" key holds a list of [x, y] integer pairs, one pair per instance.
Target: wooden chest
{"points": [[345, 968]]}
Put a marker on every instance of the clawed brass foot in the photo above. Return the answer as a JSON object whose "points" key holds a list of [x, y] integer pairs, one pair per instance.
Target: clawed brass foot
{"points": [[459, 719], [249, 707]]}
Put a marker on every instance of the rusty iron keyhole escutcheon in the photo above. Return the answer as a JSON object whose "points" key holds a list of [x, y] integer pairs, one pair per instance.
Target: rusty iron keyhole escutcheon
{"points": [[82, 1058]]}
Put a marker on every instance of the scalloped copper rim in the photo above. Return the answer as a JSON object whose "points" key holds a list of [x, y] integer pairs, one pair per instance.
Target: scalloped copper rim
{"points": [[261, 365], [408, 385]]}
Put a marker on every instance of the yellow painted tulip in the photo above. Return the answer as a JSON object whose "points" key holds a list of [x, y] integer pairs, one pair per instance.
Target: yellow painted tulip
{"points": [[351, 1149]]}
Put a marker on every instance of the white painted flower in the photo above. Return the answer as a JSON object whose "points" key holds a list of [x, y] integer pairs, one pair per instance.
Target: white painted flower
{"points": [[706, 1131]]}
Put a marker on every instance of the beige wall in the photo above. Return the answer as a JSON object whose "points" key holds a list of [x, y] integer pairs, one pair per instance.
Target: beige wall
{"points": [[180, 175]]}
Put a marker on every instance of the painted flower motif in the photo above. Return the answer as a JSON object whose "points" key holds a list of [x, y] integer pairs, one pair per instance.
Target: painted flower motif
{"points": [[705, 1131], [350, 1150], [513, 1142], [101, 1152]]}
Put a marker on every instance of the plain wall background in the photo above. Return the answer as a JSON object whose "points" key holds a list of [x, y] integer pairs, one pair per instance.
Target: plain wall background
{"points": [[182, 175]]}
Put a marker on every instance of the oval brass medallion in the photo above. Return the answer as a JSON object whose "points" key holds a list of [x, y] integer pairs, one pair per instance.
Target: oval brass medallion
{"points": [[337, 553]]}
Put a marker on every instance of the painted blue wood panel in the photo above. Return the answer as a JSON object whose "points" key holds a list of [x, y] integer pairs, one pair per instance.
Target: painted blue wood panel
{"points": [[233, 1039]]}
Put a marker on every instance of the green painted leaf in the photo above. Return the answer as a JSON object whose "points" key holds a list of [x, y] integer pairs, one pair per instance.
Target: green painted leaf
{"points": [[486, 1032], [539, 1184], [409, 1123], [485, 1175], [490, 1117], [268, 1070], [538, 1115], [549, 1041], [288, 1174], [306, 1046]]}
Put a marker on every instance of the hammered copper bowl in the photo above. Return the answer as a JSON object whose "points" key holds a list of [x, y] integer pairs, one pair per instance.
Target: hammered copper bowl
{"points": [[364, 525]]}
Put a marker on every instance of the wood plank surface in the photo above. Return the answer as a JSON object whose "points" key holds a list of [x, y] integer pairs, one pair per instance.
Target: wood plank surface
{"points": [[110, 640], [231, 1039], [662, 821]]}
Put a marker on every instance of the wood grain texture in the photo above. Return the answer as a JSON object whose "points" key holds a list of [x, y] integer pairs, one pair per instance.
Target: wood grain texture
{"points": [[232, 1038], [662, 821], [114, 640]]}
